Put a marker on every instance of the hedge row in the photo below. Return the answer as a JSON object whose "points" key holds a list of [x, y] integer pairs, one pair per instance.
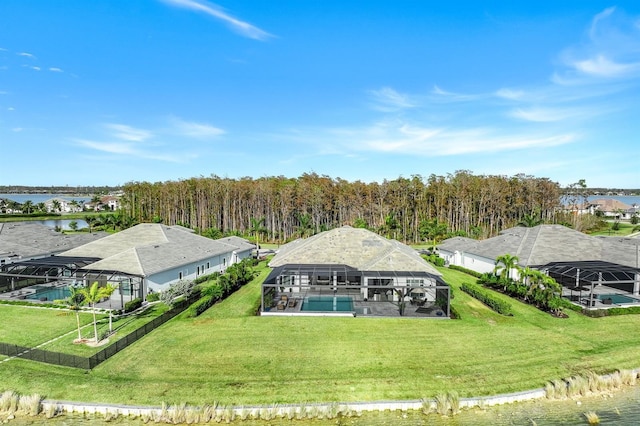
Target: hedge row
{"points": [[466, 271], [485, 297]]}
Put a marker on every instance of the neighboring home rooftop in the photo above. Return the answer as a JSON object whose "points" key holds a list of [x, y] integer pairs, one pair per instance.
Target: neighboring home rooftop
{"points": [[30, 240], [610, 205], [149, 248], [543, 244], [355, 247]]}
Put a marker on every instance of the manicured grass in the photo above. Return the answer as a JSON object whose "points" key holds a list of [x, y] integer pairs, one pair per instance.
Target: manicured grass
{"points": [[625, 229], [30, 326], [232, 357], [121, 327]]}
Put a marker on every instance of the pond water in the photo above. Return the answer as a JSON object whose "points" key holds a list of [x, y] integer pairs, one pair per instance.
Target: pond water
{"points": [[62, 223], [621, 408]]}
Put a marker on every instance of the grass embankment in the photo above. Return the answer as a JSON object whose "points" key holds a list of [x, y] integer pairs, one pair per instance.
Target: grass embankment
{"points": [[227, 355], [624, 229]]}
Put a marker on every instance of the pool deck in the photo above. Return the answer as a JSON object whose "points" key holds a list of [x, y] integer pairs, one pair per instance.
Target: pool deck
{"points": [[361, 308], [583, 298]]}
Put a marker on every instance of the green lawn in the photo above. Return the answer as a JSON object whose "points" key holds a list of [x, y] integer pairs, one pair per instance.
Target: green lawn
{"points": [[28, 326], [227, 355], [625, 228]]}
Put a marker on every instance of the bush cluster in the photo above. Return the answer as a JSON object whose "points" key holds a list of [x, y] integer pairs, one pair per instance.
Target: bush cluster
{"points": [[234, 277], [153, 297], [477, 292], [132, 305], [434, 259]]}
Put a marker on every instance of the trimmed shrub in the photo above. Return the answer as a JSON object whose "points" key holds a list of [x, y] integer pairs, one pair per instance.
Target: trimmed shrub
{"points": [[434, 259], [132, 305], [153, 297], [201, 305], [479, 293], [466, 271]]}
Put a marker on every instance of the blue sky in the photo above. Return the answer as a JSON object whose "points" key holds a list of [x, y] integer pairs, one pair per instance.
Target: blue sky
{"points": [[108, 92]]}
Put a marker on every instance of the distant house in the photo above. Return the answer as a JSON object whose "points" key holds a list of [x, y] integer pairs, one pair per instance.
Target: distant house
{"points": [[611, 208], [28, 240], [145, 258], [110, 202], [353, 271], [62, 205], [555, 249]]}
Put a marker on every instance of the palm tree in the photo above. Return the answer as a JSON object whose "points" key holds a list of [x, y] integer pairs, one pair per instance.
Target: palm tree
{"points": [[505, 263], [27, 206], [93, 295], [305, 224], [42, 207], [257, 228], [74, 302], [55, 205], [529, 221]]}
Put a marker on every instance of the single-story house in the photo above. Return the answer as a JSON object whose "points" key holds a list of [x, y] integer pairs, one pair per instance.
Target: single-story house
{"points": [[555, 249], [353, 271], [21, 241], [145, 258]]}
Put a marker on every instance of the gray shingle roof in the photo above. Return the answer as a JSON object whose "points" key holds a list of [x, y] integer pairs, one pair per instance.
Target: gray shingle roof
{"points": [[30, 239], [543, 244], [355, 247], [149, 248]]}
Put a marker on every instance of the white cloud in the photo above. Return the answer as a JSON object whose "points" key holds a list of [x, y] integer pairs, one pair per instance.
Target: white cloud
{"points": [[35, 68], [129, 133], [26, 55], [123, 148], [390, 99], [17, 129], [110, 147], [601, 66], [11, 109], [550, 114], [509, 93], [242, 27], [196, 130], [598, 18], [55, 69]]}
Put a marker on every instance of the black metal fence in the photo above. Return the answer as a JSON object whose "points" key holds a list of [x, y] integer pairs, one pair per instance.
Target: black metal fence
{"points": [[87, 363]]}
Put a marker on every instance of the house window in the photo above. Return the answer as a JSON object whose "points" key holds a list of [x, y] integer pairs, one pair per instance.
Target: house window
{"points": [[208, 265], [179, 275], [198, 271], [415, 281]]}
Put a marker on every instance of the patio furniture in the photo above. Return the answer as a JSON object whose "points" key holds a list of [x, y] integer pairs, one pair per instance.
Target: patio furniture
{"points": [[292, 303]]}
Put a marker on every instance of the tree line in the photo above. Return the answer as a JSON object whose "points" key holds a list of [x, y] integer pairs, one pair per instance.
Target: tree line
{"points": [[279, 208]]}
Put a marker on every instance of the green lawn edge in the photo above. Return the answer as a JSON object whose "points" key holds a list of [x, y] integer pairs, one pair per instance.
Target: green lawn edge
{"points": [[230, 356]]}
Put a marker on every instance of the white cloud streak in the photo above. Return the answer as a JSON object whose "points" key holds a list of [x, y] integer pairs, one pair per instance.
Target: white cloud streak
{"points": [[26, 55], [55, 69], [388, 99], [243, 28], [129, 133], [196, 130]]}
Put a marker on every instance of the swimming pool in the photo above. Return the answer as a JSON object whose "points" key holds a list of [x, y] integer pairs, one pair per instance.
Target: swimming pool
{"points": [[49, 293], [618, 299], [327, 304]]}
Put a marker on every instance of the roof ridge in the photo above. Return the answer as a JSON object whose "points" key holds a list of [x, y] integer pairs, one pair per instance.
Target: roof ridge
{"points": [[137, 256]]}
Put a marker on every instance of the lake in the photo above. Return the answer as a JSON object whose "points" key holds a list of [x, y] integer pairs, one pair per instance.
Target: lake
{"points": [[41, 198], [62, 223]]}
